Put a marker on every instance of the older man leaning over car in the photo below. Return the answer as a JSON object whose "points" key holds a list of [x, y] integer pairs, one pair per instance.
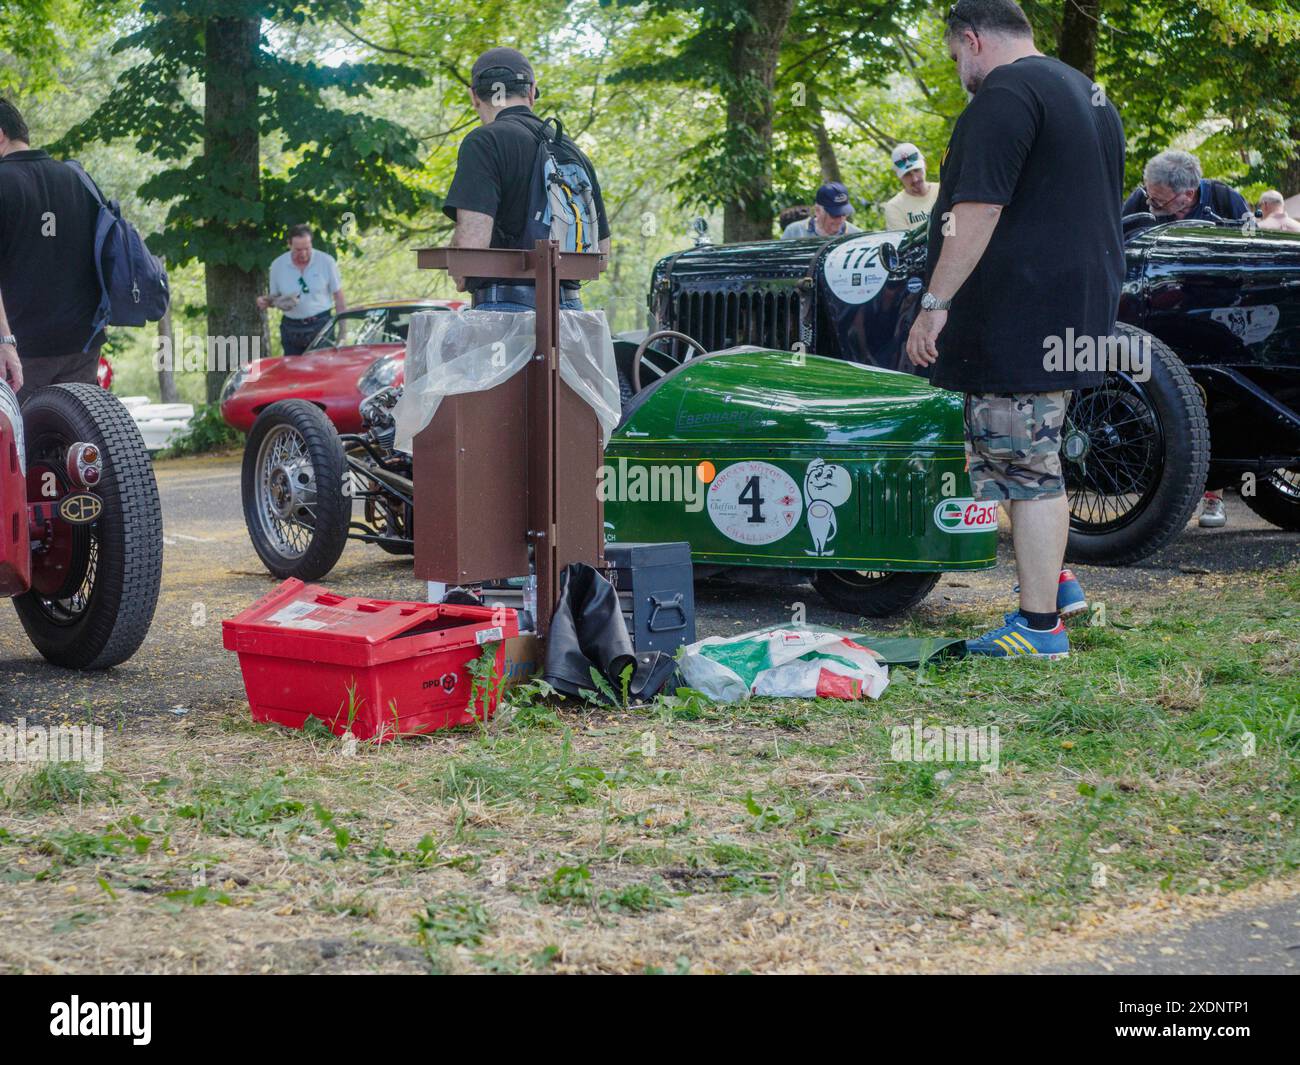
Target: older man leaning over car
{"points": [[1173, 188]]}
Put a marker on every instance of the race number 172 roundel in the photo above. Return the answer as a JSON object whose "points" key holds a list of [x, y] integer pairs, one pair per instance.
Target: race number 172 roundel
{"points": [[853, 270], [754, 503]]}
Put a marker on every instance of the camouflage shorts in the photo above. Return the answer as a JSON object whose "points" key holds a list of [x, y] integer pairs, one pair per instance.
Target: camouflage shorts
{"points": [[1013, 444]]}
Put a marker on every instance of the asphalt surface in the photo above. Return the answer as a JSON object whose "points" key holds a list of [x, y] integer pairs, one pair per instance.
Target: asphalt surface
{"points": [[1254, 942], [211, 572]]}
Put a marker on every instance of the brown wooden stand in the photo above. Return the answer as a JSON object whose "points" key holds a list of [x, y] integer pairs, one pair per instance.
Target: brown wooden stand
{"points": [[499, 472]]}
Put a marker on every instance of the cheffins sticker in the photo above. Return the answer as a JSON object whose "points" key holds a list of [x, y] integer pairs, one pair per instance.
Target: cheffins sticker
{"points": [[754, 502], [853, 270]]}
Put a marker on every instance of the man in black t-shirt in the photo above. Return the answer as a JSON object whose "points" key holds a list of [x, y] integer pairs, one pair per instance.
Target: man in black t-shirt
{"points": [[1026, 261], [488, 198], [49, 287]]}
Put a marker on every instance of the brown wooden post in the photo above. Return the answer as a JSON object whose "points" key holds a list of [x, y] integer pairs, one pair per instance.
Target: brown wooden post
{"points": [[514, 466]]}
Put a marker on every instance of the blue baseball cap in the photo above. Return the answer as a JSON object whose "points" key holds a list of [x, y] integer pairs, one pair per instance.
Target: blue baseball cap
{"points": [[833, 198]]}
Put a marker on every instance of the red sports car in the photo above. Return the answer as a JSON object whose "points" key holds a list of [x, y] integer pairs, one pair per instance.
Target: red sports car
{"points": [[359, 352]]}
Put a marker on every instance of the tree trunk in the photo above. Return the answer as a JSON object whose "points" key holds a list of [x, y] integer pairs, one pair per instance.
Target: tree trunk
{"points": [[1077, 44], [755, 50], [232, 171], [1288, 175], [826, 159], [167, 370]]}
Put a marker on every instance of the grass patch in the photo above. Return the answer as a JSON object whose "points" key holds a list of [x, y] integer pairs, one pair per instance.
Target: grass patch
{"points": [[1161, 760]]}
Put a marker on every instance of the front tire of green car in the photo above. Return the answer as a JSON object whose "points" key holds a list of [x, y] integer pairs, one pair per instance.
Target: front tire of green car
{"points": [[873, 594]]}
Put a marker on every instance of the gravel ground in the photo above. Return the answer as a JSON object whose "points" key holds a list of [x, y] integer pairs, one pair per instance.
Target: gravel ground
{"points": [[211, 572]]}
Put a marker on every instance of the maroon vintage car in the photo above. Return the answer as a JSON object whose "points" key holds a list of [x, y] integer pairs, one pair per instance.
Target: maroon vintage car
{"points": [[356, 354], [81, 553]]}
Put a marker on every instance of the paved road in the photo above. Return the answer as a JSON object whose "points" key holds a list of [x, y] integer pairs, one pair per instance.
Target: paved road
{"points": [[211, 572], [1263, 940]]}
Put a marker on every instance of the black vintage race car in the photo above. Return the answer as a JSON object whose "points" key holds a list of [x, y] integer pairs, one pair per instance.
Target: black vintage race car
{"points": [[1220, 405]]}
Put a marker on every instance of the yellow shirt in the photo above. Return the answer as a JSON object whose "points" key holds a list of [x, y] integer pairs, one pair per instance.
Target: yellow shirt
{"points": [[906, 211]]}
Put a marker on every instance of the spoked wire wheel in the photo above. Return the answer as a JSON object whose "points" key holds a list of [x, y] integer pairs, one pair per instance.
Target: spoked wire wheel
{"points": [[286, 491], [295, 506], [1134, 453], [1113, 451], [1276, 498]]}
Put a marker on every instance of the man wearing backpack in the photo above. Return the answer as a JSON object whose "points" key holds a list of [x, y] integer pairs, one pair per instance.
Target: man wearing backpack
{"points": [[519, 179], [49, 285]]}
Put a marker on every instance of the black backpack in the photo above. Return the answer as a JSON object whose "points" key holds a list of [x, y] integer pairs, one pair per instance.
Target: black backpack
{"points": [[132, 280]]}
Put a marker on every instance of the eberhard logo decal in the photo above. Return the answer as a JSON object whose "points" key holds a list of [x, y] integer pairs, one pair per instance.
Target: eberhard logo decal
{"points": [[966, 516], [80, 508]]}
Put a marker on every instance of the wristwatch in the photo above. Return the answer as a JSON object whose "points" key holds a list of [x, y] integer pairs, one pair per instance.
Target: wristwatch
{"points": [[11, 341], [931, 302]]}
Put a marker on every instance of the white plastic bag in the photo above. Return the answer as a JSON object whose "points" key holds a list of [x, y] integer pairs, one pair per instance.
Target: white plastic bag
{"points": [[473, 351], [793, 662]]}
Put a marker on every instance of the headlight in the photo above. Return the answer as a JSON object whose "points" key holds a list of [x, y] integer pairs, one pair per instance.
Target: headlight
{"points": [[381, 374], [233, 383]]}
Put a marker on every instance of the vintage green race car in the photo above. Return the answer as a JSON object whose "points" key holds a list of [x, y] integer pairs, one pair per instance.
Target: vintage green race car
{"points": [[774, 466], [787, 467]]}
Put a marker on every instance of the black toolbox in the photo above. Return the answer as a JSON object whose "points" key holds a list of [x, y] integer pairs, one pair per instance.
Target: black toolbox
{"points": [[656, 589]]}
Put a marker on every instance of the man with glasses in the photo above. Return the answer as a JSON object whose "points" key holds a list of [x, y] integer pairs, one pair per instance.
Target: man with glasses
{"points": [[1025, 249], [913, 204], [306, 286], [1172, 189]]}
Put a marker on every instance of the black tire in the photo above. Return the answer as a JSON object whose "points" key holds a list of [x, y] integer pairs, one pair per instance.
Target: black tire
{"points": [[1144, 454], [873, 595], [118, 559], [1276, 499], [295, 506]]}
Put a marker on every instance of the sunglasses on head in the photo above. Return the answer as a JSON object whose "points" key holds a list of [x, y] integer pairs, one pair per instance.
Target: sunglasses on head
{"points": [[906, 160], [954, 16]]}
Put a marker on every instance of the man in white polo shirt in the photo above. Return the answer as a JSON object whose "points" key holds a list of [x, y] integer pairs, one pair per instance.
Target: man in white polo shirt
{"points": [[915, 200], [305, 285]]}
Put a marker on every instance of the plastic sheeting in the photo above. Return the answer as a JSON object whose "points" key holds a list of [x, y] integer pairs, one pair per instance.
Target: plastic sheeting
{"points": [[473, 351]]}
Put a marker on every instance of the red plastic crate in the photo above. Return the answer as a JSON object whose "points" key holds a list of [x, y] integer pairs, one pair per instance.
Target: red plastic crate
{"points": [[302, 648]]}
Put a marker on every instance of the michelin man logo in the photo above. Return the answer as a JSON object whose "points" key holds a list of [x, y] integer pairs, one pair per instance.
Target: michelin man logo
{"points": [[825, 487]]}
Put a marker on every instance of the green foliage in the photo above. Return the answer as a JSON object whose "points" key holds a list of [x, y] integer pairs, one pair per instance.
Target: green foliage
{"points": [[56, 783], [206, 432], [336, 162]]}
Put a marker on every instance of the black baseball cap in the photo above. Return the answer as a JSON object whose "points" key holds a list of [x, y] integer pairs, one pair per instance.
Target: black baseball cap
{"points": [[501, 65], [834, 199]]}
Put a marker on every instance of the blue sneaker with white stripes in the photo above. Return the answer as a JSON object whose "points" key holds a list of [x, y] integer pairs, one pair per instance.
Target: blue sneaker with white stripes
{"points": [[1070, 599], [1016, 639]]}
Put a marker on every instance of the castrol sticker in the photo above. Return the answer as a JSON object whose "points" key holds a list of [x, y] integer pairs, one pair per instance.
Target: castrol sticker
{"points": [[966, 516], [754, 503], [853, 270]]}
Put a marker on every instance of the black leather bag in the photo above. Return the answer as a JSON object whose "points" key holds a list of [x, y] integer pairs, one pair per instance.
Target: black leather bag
{"points": [[588, 632]]}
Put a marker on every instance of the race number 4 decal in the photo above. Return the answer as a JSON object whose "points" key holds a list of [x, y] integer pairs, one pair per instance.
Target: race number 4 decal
{"points": [[754, 503]]}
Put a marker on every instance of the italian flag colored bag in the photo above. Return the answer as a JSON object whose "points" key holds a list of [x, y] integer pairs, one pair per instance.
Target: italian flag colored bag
{"points": [[793, 662]]}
